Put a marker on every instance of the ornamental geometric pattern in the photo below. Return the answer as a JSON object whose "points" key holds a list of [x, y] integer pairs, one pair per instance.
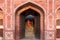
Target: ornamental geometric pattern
{"points": [[50, 35], [8, 35], [50, 27], [9, 23], [50, 22]]}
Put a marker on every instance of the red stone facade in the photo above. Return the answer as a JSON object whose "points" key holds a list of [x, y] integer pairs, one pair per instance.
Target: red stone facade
{"points": [[10, 19]]}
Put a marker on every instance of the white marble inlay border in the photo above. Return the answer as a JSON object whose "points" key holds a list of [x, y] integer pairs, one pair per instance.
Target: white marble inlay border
{"points": [[47, 14], [1, 26], [58, 27]]}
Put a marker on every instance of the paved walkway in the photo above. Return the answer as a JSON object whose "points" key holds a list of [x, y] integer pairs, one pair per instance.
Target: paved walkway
{"points": [[29, 36], [29, 39]]}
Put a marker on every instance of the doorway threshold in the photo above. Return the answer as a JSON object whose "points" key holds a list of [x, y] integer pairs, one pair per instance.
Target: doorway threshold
{"points": [[29, 39], [57, 38]]}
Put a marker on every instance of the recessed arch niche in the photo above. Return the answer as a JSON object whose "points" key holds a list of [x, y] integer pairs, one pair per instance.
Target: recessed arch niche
{"points": [[29, 9], [58, 24], [1, 23]]}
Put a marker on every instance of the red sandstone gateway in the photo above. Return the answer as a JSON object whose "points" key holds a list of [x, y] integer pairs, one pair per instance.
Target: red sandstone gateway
{"points": [[29, 19]]}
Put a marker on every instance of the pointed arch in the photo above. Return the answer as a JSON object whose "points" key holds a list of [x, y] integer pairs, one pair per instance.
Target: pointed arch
{"points": [[57, 13], [29, 4], [57, 9], [25, 7]]}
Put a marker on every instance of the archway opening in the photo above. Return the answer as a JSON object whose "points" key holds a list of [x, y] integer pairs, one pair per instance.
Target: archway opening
{"points": [[29, 24], [58, 24], [1, 24], [31, 15], [58, 29]]}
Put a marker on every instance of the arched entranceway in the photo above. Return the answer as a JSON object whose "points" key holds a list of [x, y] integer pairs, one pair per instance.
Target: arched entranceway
{"points": [[58, 24], [1, 24], [29, 22], [31, 29]]}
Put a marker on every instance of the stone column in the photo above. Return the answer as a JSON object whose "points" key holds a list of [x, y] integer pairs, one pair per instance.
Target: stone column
{"points": [[8, 23], [50, 21]]}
